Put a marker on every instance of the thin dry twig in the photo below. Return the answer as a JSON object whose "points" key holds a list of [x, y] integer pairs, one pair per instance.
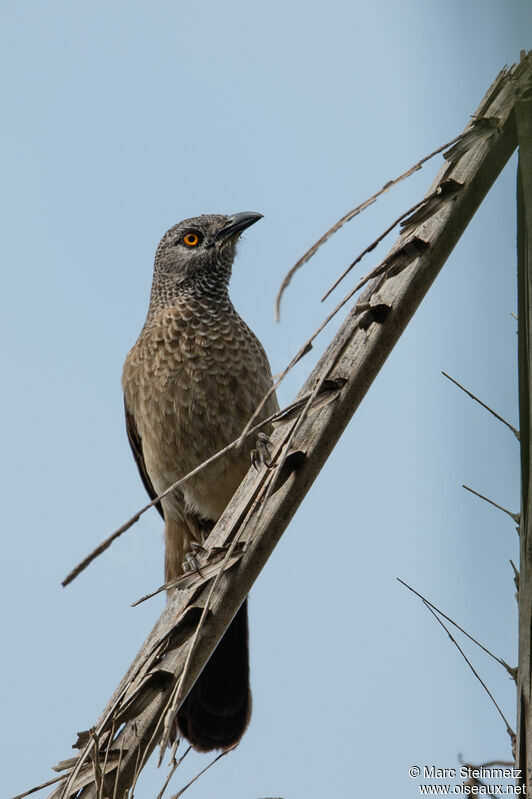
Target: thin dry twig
{"points": [[40, 787], [175, 766], [108, 748], [372, 246], [115, 786], [350, 215], [198, 775], [487, 407], [477, 675], [514, 516], [499, 660], [98, 778], [184, 580]]}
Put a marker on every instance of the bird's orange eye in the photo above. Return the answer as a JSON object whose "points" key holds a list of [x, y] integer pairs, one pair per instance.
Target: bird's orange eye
{"points": [[191, 239]]}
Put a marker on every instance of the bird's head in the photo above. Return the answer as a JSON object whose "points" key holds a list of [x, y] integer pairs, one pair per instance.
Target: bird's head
{"points": [[197, 254]]}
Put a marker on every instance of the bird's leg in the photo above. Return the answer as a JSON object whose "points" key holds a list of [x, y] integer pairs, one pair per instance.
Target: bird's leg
{"points": [[260, 456]]}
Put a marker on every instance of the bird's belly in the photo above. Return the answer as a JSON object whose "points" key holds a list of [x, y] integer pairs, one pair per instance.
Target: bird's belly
{"points": [[184, 426]]}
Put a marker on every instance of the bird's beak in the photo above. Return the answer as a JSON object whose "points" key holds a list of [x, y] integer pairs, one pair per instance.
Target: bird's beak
{"points": [[236, 224]]}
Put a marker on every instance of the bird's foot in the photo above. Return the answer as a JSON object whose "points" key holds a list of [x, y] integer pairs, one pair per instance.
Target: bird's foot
{"points": [[260, 456], [190, 564]]}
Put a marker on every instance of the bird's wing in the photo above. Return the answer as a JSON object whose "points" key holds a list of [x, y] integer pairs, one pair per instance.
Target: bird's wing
{"points": [[135, 442]]}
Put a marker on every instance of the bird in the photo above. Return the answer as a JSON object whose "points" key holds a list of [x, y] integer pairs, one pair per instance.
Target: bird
{"points": [[191, 382]]}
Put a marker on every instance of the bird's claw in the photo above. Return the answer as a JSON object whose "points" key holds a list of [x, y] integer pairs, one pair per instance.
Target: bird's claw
{"points": [[260, 456], [190, 564]]}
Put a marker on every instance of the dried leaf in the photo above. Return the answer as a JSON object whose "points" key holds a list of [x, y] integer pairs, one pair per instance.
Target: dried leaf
{"points": [[155, 683]]}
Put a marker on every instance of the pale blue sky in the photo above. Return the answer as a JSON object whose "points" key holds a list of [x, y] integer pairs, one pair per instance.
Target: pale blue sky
{"points": [[120, 119]]}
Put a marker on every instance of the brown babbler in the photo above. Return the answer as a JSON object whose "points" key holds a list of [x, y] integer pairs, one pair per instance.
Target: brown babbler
{"points": [[191, 382]]}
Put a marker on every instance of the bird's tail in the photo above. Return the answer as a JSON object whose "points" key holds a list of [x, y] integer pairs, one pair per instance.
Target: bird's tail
{"points": [[216, 712]]}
